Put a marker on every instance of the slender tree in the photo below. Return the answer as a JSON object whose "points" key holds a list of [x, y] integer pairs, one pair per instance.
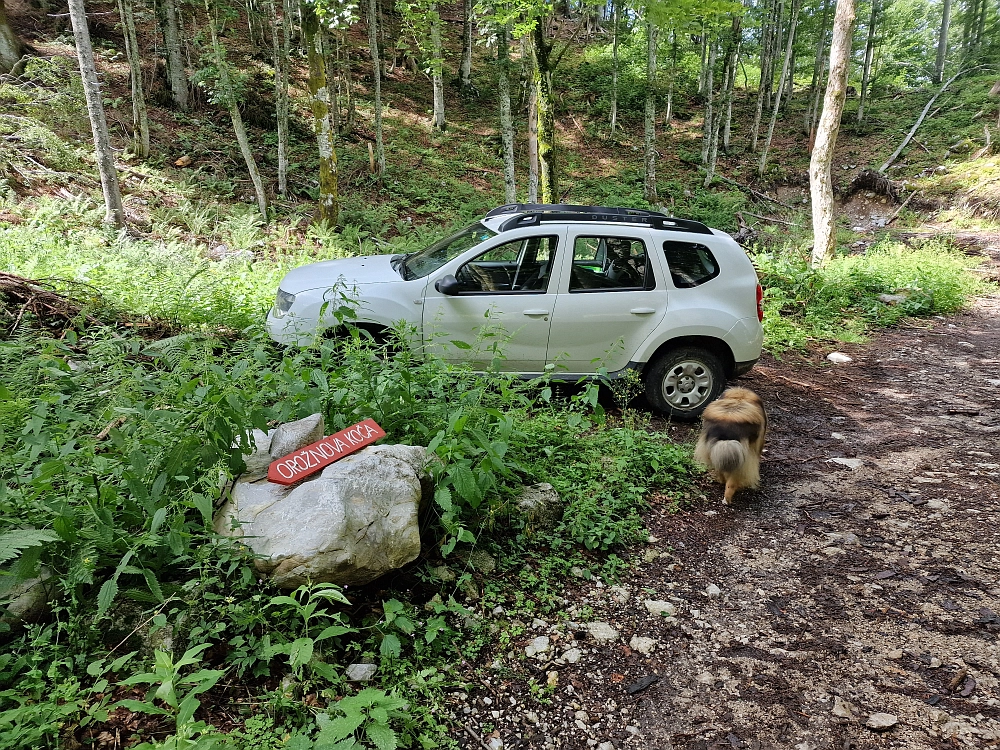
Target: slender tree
{"points": [[225, 94], [322, 111], [140, 117], [11, 48], [545, 63], [649, 139], [506, 121], [437, 68], [377, 80], [176, 75], [942, 47], [768, 36], [115, 211], [732, 62], [465, 67], [821, 164], [819, 69], [792, 23], [614, 66], [866, 72], [281, 43], [707, 125], [532, 142]]}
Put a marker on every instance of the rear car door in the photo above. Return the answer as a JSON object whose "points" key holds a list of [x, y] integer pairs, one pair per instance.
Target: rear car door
{"points": [[612, 299], [502, 309]]}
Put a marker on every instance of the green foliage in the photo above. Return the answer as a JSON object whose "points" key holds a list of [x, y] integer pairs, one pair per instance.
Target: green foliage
{"points": [[840, 301], [360, 721]]}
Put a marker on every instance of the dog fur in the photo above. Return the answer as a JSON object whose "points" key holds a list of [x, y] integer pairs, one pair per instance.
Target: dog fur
{"points": [[732, 438]]}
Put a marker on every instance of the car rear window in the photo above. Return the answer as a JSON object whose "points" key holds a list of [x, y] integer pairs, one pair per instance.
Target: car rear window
{"points": [[690, 263]]}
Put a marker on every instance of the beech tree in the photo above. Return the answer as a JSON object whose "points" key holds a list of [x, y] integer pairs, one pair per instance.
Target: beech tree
{"points": [[140, 118], [115, 211], [176, 74], [821, 164]]}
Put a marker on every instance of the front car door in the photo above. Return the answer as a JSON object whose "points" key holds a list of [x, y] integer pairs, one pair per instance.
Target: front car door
{"points": [[501, 312], [613, 298]]}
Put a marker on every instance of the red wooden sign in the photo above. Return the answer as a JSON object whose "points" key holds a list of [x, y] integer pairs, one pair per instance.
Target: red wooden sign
{"points": [[312, 458]]}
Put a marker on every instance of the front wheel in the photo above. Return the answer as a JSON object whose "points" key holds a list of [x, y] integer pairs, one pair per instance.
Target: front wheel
{"points": [[682, 382]]}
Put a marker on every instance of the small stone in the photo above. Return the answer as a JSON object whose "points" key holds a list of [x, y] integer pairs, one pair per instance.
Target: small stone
{"points": [[606, 746], [552, 679], [539, 645], [495, 743], [572, 656], [531, 717], [705, 678], [843, 709], [850, 463], [620, 594], [839, 358], [361, 672], [966, 345], [602, 631], [582, 716], [713, 591], [651, 555], [934, 663], [537, 624], [892, 299], [881, 722], [842, 537], [642, 644], [292, 436], [483, 562], [837, 436], [635, 731], [443, 573], [660, 608]]}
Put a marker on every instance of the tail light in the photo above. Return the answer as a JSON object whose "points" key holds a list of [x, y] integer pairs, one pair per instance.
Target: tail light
{"points": [[760, 303]]}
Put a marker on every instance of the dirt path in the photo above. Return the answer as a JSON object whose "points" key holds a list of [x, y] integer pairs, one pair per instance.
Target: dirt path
{"points": [[833, 594]]}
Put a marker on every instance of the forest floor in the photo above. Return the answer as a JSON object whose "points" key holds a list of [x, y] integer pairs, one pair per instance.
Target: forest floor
{"points": [[834, 593]]}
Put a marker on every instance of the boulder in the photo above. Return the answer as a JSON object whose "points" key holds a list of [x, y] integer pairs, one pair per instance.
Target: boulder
{"points": [[540, 504], [29, 601], [348, 524], [291, 436]]}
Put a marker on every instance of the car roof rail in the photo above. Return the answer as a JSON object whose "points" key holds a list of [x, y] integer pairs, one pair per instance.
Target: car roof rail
{"points": [[533, 214]]}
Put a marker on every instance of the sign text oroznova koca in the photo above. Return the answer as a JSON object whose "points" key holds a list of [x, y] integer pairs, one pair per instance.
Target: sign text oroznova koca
{"points": [[312, 458]]}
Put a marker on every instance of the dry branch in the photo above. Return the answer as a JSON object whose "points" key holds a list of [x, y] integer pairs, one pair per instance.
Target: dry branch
{"points": [[19, 296]]}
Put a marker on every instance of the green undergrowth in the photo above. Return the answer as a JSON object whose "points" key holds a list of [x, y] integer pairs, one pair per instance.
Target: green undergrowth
{"points": [[840, 302], [111, 452]]}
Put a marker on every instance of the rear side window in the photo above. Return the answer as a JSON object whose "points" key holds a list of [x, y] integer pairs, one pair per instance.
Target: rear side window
{"points": [[690, 263]]}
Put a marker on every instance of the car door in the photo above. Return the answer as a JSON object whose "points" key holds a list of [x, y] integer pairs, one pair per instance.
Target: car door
{"points": [[500, 311], [614, 297]]}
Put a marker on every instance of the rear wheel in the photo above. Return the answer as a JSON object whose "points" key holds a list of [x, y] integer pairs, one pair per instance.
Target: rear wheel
{"points": [[682, 382]]}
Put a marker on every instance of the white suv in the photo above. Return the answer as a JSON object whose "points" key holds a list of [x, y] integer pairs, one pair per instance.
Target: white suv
{"points": [[569, 290]]}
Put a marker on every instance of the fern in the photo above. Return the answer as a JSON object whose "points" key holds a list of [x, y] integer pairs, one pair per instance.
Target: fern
{"points": [[12, 543]]}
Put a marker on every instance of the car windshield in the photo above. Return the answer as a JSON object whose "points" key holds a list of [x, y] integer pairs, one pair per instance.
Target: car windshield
{"points": [[427, 261]]}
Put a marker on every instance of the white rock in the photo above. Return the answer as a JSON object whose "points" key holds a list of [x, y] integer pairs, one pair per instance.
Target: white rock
{"points": [[839, 358], [349, 525], [602, 631], [837, 436], [642, 644], [881, 722], [705, 678], [660, 608], [620, 594], [540, 504], [539, 645], [495, 743], [572, 655], [713, 591], [361, 672], [606, 746], [892, 299], [850, 463], [843, 709], [291, 436]]}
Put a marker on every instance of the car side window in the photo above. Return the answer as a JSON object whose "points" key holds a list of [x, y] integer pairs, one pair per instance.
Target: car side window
{"points": [[521, 266], [610, 264], [690, 263]]}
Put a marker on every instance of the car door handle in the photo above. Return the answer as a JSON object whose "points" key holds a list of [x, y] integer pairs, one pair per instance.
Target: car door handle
{"points": [[642, 310], [533, 313]]}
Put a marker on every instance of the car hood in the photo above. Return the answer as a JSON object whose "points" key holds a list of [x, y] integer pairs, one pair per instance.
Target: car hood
{"points": [[368, 269]]}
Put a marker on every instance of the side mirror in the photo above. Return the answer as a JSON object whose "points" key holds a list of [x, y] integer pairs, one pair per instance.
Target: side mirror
{"points": [[448, 285]]}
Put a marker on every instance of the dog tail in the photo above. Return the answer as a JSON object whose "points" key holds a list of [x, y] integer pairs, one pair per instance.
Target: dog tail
{"points": [[728, 455]]}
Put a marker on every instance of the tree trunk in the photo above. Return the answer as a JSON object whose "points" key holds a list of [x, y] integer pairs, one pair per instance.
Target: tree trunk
{"points": [[377, 80], [115, 213], [649, 140], [732, 62], [942, 48], [465, 68], [344, 82], [532, 142], [437, 70], [614, 67], [668, 115], [821, 164], [866, 72], [548, 180], [320, 101], [11, 48], [706, 131], [766, 75], [980, 27], [702, 71], [176, 74], [282, 43], [140, 118], [793, 21], [229, 98], [506, 121], [819, 68]]}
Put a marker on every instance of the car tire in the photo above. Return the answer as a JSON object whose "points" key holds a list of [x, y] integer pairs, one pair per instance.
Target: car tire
{"points": [[682, 382]]}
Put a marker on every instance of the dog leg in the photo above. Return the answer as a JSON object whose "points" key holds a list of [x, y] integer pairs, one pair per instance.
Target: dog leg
{"points": [[731, 488]]}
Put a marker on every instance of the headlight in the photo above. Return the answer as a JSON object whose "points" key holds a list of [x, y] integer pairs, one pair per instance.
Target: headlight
{"points": [[283, 303]]}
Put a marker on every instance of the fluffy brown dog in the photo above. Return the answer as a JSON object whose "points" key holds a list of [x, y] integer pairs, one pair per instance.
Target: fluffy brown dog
{"points": [[732, 438]]}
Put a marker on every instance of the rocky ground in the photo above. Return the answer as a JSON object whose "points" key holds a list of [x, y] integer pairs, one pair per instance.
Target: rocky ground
{"points": [[854, 602]]}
